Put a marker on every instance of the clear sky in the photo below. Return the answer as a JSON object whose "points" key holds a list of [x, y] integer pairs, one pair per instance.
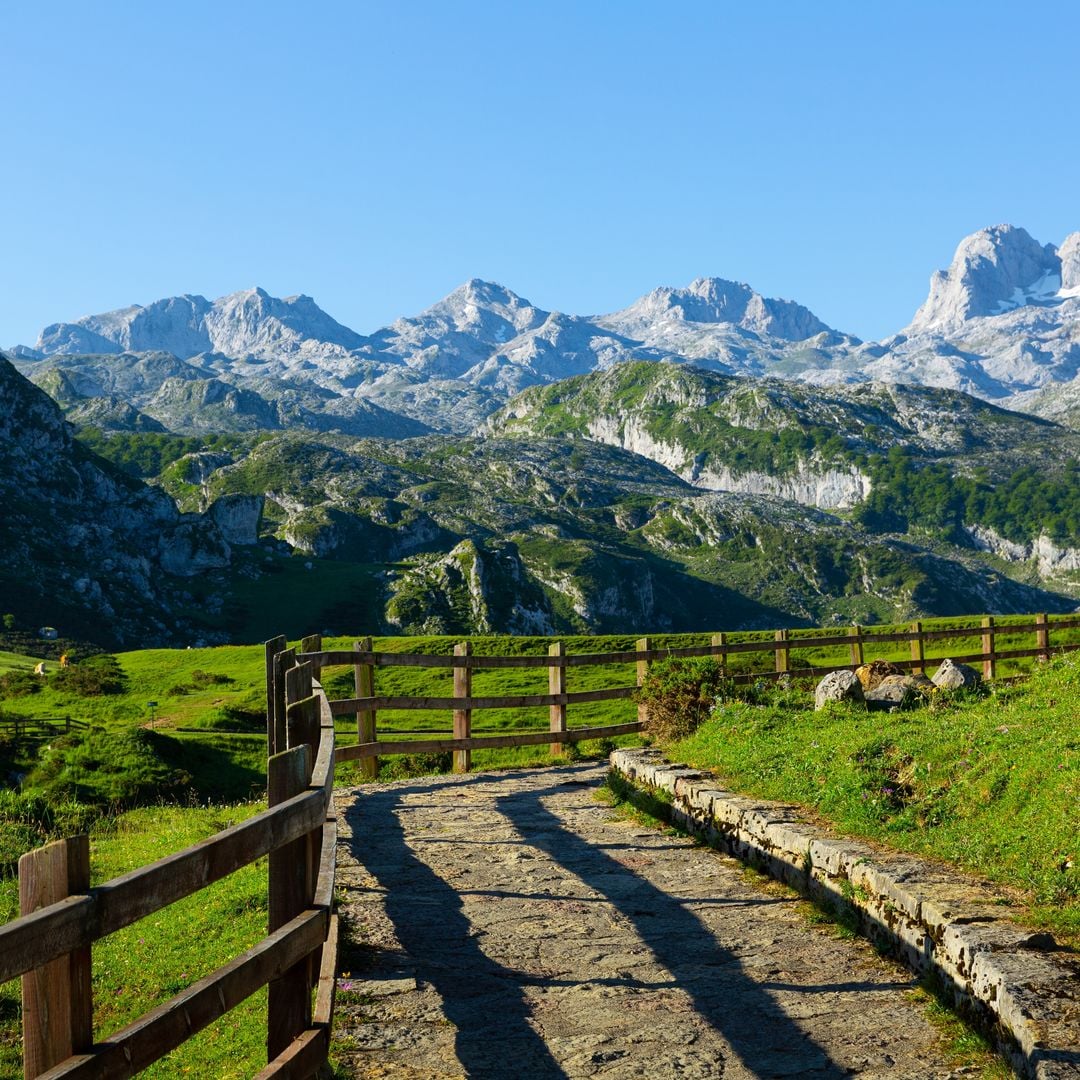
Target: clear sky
{"points": [[375, 155]]}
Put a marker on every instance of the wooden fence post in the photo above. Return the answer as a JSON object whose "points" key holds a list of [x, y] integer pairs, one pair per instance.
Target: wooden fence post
{"points": [[271, 649], [283, 661], [1042, 637], [918, 650], [303, 724], [557, 685], [291, 890], [856, 646], [462, 717], [989, 659], [298, 686], [642, 671], [783, 656], [312, 643], [718, 642], [56, 1000], [364, 681]]}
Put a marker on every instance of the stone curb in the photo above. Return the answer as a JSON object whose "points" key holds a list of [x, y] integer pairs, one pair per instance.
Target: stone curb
{"points": [[931, 919]]}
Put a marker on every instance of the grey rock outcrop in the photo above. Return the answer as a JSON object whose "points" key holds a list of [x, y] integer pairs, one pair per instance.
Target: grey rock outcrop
{"points": [[992, 271], [1069, 254], [893, 691], [953, 676], [237, 518], [837, 686]]}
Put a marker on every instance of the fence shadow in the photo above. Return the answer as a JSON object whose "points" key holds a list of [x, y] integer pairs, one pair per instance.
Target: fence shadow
{"points": [[742, 1011], [486, 1001]]}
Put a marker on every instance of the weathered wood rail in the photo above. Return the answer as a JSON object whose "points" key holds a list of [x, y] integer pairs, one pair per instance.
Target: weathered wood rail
{"points": [[62, 914]]}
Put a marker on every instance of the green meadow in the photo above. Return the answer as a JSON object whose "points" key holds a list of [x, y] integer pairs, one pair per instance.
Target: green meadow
{"points": [[989, 782]]}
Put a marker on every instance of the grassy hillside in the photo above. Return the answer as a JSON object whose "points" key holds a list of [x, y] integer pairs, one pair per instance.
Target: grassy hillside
{"points": [[989, 782]]}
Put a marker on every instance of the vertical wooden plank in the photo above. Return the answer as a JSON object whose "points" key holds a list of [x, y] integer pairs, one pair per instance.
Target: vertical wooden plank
{"points": [[918, 649], [364, 679], [462, 717], [283, 661], [302, 728], [57, 1004], [289, 997], [989, 656], [1042, 637], [271, 648], [719, 641], [309, 644], [557, 685], [642, 671], [299, 684], [856, 646], [783, 656]]}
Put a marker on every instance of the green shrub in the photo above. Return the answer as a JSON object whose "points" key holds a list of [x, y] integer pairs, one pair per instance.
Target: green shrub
{"points": [[679, 694], [19, 683], [105, 768], [27, 821], [203, 679], [93, 677]]}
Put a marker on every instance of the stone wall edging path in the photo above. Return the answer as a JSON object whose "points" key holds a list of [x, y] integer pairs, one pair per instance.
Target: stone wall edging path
{"points": [[934, 920]]}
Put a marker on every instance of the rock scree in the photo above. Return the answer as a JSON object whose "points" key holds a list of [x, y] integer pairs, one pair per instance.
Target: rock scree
{"points": [[510, 925]]}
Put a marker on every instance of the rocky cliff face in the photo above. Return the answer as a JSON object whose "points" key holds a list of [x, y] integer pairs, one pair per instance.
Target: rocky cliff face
{"points": [[993, 271], [85, 547]]}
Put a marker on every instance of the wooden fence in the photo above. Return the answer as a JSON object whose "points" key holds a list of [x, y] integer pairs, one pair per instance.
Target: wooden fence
{"points": [[367, 704], [37, 728], [62, 915]]}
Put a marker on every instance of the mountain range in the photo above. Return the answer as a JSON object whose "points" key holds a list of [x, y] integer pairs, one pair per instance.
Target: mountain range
{"points": [[1002, 322], [705, 458]]}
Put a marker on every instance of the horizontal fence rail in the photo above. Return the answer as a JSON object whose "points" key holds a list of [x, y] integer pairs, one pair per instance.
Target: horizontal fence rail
{"points": [[49, 945], [367, 703]]}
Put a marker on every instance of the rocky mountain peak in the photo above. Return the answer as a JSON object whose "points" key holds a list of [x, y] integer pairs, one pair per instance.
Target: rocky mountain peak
{"points": [[487, 312], [719, 301], [993, 271], [1069, 254]]}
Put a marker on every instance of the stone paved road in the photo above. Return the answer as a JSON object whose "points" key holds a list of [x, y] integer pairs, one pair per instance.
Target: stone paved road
{"points": [[507, 925]]}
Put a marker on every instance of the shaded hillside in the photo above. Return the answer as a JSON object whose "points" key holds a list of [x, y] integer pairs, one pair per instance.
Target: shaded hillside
{"points": [[86, 548]]}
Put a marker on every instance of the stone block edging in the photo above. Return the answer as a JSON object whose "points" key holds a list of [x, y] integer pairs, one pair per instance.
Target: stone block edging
{"points": [[933, 920]]}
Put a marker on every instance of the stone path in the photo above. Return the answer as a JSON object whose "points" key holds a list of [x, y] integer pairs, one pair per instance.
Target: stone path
{"points": [[507, 925]]}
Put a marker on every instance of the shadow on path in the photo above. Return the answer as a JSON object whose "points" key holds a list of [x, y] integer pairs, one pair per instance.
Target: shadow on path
{"points": [[767, 1041], [482, 999], [486, 1001]]}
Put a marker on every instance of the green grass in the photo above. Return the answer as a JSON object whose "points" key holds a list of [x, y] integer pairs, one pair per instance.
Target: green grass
{"points": [[989, 783], [10, 661], [145, 964]]}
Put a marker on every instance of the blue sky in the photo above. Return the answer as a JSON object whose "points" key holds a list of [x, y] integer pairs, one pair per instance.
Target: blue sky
{"points": [[375, 155]]}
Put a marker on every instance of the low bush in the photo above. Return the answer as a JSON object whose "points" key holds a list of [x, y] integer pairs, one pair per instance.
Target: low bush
{"points": [[19, 684], [105, 768], [93, 677], [203, 679], [679, 694]]}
